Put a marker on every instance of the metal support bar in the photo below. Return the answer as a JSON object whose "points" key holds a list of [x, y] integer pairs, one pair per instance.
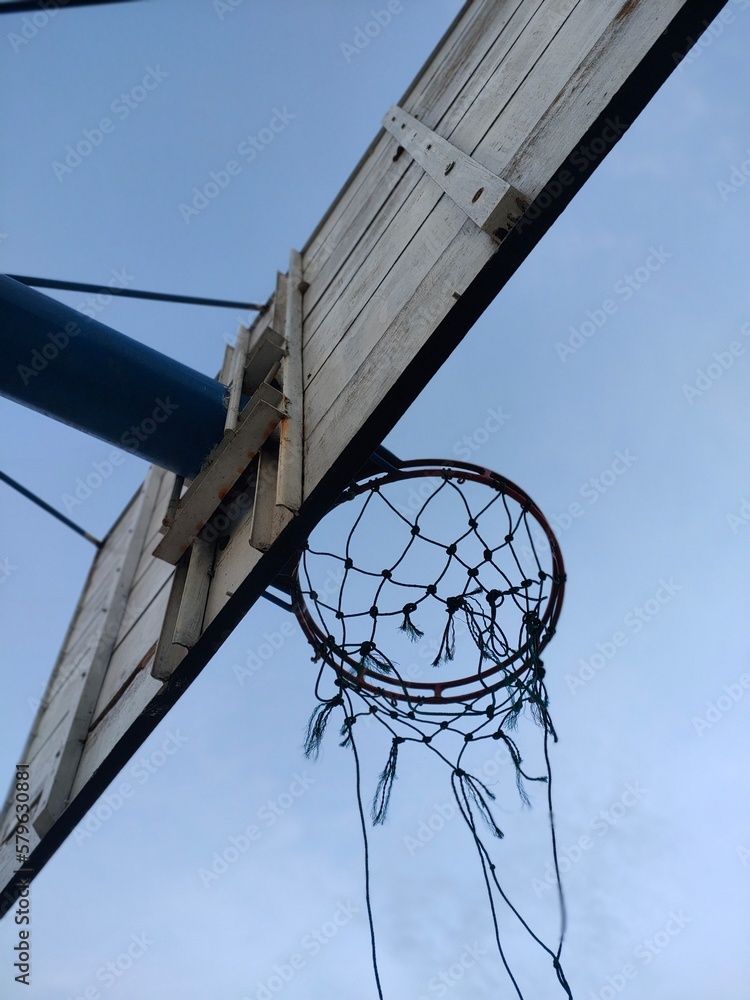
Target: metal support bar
{"points": [[50, 510], [277, 601], [491, 202], [132, 293], [70, 367]]}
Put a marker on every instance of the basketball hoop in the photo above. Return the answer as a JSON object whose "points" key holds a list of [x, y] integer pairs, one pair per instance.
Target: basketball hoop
{"points": [[494, 579], [454, 568]]}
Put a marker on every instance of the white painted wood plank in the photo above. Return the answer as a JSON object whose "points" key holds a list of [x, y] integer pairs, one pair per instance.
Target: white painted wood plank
{"points": [[612, 57], [486, 35], [169, 655], [142, 593], [291, 443], [457, 53], [133, 652], [72, 734], [264, 358], [189, 623], [433, 220], [528, 37], [228, 461], [232, 566], [432, 300], [262, 532], [237, 377], [114, 724]]}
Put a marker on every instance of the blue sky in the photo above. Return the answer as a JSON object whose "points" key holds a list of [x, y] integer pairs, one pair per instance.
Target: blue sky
{"points": [[649, 674]]}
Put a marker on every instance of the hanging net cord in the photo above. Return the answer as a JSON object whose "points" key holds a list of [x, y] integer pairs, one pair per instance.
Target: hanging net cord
{"points": [[490, 605]]}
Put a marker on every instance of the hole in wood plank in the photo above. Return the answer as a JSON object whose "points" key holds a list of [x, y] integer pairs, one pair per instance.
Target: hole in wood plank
{"points": [[398, 153], [449, 167], [478, 195]]}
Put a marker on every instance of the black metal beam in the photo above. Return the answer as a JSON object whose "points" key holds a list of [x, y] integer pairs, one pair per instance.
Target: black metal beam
{"points": [[29, 6], [132, 293]]}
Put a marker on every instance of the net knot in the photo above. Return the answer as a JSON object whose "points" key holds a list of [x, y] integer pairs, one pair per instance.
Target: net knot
{"points": [[408, 625]]}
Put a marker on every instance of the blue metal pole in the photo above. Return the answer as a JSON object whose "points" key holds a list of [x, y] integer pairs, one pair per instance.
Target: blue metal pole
{"points": [[72, 368]]}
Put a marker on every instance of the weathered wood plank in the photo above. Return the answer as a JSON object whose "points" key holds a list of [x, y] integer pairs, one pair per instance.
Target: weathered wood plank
{"points": [[556, 61], [133, 701], [291, 439], [232, 566], [168, 655], [155, 575], [230, 458], [432, 301], [530, 35], [457, 54], [489, 38], [130, 654], [71, 736], [189, 624], [236, 378]]}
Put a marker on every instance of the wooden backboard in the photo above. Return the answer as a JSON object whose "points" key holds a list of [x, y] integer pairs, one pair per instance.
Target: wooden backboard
{"points": [[506, 121]]}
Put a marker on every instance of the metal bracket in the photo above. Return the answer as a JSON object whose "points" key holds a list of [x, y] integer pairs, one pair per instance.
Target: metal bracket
{"points": [[494, 204]]}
